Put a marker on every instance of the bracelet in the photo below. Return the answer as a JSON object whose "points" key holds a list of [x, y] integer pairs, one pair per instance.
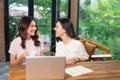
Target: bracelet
{"points": [[77, 60]]}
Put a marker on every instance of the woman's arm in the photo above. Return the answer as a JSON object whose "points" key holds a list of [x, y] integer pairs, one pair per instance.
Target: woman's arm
{"points": [[43, 52], [14, 60], [72, 61], [84, 55]]}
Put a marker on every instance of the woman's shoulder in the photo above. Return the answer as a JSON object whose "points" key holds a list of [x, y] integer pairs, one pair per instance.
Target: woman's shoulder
{"points": [[16, 40], [76, 41], [59, 42]]}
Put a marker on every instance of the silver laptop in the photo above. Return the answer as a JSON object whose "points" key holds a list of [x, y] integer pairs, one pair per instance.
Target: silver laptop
{"points": [[45, 68]]}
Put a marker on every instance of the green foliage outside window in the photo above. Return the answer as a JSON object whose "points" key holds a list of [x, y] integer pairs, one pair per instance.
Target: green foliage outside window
{"points": [[102, 24]]}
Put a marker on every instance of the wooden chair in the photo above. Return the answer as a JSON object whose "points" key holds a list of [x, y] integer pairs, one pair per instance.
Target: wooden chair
{"points": [[90, 48]]}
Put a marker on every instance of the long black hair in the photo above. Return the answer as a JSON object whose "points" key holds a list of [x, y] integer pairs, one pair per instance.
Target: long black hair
{"points": [[68, 27], [22, 31]]}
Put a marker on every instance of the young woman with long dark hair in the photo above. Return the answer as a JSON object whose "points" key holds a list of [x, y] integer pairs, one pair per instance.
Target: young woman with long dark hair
{"points": [[68, 44], [26, 42]]}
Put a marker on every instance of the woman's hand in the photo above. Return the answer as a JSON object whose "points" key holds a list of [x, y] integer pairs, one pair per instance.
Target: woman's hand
{"points": [[72, 61], [25, 55], [14, 60]]}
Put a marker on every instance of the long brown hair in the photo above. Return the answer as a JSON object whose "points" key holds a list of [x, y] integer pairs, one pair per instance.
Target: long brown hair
{"points": [[22, 31], [68, 27]]}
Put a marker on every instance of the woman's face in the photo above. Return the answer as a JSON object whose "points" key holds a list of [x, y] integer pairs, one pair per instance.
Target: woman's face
{"points": [[31, 29], [59, 30]]}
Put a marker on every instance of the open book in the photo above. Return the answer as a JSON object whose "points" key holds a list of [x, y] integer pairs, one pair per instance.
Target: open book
{"points": [[77, 70]]}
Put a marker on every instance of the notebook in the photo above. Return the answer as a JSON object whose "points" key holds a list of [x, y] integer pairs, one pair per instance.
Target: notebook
{"points": [[45, 68]]}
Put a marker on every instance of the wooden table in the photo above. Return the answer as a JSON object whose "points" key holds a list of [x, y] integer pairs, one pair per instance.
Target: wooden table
{"points": [[102, 70]]}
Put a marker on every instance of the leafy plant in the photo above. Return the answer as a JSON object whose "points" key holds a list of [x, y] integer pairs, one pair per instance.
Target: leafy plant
{"points": [[13, 27], [101, 24]]}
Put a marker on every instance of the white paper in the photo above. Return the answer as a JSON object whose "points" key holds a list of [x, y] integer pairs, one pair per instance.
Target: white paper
{"points": [[77, 70], [32, 53]]}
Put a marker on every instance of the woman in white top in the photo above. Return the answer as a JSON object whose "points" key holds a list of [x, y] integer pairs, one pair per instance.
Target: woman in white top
{"points": [[26, 42], [68, 44]]}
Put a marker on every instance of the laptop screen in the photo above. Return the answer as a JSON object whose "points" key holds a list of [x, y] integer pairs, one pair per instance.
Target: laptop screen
{"points": [[45, 67]]}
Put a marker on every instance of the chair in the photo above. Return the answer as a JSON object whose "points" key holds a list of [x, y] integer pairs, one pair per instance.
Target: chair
{"points": [[90, 48]]}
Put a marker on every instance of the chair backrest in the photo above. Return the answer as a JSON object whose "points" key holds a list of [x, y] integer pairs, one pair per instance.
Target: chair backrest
{"points": [[91, 46]]}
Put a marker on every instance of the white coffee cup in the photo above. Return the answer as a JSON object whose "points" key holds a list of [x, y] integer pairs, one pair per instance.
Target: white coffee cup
{"points": [[32, 53]]}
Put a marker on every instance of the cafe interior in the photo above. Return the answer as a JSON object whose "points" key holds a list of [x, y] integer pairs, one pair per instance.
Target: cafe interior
{"points": [[96, 22]]}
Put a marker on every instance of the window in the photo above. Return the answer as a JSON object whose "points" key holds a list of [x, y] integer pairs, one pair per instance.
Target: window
{"points": [[62, 9], [99, 20], [17, 9], [44, 12]]}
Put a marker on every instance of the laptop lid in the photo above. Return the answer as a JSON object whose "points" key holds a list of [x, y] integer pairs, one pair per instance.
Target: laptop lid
{"points": [[45, 68]]}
